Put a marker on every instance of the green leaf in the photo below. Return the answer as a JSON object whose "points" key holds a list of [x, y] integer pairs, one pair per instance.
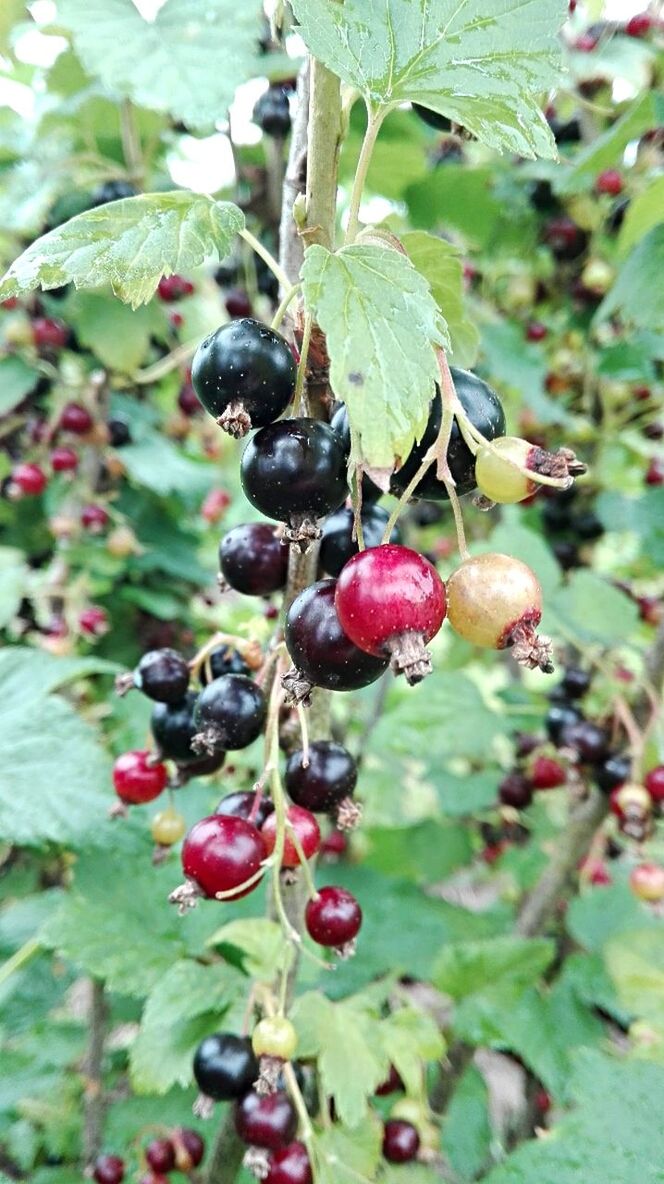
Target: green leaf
{"points": [[644, 212], [591, 609], [159, 465], [340, 1035], [381, 324], [466, 968], [635, 962], [11, 13], [608, 149], [188, 61], [13, 580], [188, 1002], [463, 794], [615, 1133], [439, 262], [261, 942], [411, 1037], [348, 1157], [640, 273], [17, 379], [118, 336], [129, 244], [424, 853], [511, 538], [467, 1130], [518, 365], [483, 70]]}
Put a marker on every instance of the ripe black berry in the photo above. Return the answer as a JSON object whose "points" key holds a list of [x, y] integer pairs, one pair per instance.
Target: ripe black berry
{"points": [[272, 113], [162, 675], [575, 682], [223, 660], [225, 1066], [558, 717], [242, 804], [330, 776], [485, 412], [268, 1121], [229, 714], [338, 544], [173, 728], [244, 375], [319, 648], [252, 559], [112, 191], [613, 771], [295, 471], [119, 432], [340, 424], [589, 739], [432, 118], [515, 790]]}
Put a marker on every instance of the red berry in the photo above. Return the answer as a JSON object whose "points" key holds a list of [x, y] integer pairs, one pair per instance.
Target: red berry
{"points": [[655, 472], [188, 400], [189, 1148], [654, 783], [56, 627], [173, 287], [221, 853], [391, 601], [160, 1155], [306, 828], [266, 1120], [639, 25], [586, 43], [27, 480], [175, 320], [137, 780], [334, 846], [290, 1165], [333, 918], [10, 303], [536, 331], [108, 1169], [391, 1084], [94, 518], [609, 181], [647, 882], [215, 504], [650, 609], [76, 419], [401, 1141], [546, 773], [64, 460], [542, 1101], [93, 620], [238, 304], [49, 333], [596, 872]]}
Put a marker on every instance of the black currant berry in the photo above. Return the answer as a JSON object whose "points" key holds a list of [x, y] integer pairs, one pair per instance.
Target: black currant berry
{"points": [[558, 717], [575, 682], [242, 804], [329, 777], [338, 544], [272, 113], [340, 424], [515, 790], [229, 714], [485, 412], [244, 375], [225, 1067], [119, 432], [112, 191], [614, 771], [321, 652], [162, 675], [295, 471], [253, 560], [589, 739], [432, 118], [223, 660], [173, 728]]}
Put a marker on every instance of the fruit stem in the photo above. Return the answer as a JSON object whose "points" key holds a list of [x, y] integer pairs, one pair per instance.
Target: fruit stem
{"points": [[93, 1102], [356, 492], [180, 354], [265, 255], [27, 952], [283, 307], [300, 399], [374, 121]]}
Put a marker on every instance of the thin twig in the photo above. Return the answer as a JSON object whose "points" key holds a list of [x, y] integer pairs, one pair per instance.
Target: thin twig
{"points": [[93, 1100]]}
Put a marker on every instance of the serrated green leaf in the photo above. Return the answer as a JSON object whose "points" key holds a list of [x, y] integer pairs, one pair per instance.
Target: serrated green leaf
{"points": [[600, 914], [467, 1130], [13, 579], [483, 70], [640, 272], [159, 465], [591, 609], [635, 962], [188, 61], [465, 968], [424, 853], [439, 262], [410, 1038], [129, 244], [17, 379], [338, 1035], [118, 336], [381, 324], [188, 1002], [261, 941], [348, 1157], [644, 212]]}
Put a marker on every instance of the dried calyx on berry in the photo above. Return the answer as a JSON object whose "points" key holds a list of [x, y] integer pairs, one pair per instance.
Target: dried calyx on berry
{"points": [[499, 468], [274, 1041], [324, 782], [244, 375]]}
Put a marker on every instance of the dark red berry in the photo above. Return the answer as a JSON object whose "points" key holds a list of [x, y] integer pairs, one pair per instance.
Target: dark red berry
{"points": [[221, 853], [655, 472], [525, 743], [253, 560], [174, 287], [294, 470], [654, 783], [536, 331], [391, 602], [229, 714], [515, 790], [640, 25], [49, 333], [588, 739], [93, 621], [290, 1165], [27, 480], [137, 779], [586, 43], [565, 238], [160, 1155], [613, 772], [75, 418], [401, 1141], [108, 1169], [391, 1084], [609, 181], [162, 675], [320, 649], [188, 400], [334, 846], [237, 303], [215, 504], [94, 518], [333, 918], [244, 375], [266, 1120], [547, 773], [303, 823], [189, 1148], [328, 778], [246, 804], [225, 1066], [63, 460], [338, 544]]}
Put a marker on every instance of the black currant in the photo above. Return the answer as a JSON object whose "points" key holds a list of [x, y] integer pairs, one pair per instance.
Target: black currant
{"points": [[587, 526], [253, 560], [515, 790], [575, 682], [485, 412], [225, 1067], [340, 424], [328, 778], [229, 714], [244, 375], [112, 191], [272, 113], [556, 516], [242, 804], [558, 717], [162, 675], [589, 739], [224, 660], [440, 122], [119, 432], [338, 544], [613, 771], [173, 728], [320, 650], [426, 513], [295, 471]]}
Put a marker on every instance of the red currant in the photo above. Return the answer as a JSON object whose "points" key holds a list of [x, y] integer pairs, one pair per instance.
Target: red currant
{"points": [[391, 601], [188, 400], [333, 918], [516, 790], [647, 882], [609, 181], [266, 1120], [338, 544], [108, 1169], [401, 1141], [547, 773], [27, 480], [334, 846], [290, 1165], [63, 460], [586, 43], [391, 1084], [160, 1155], [75, 418], [189, 1148], [137, 779], [174, 287], [655, 472], [93, 621], [596, 873], [49, 333], [654, 783], [253, 560], [215, 504], [220, 853], [536, 331], [94, 518], [303, 823], [237, 303], [640, 25], [495, 600]]}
